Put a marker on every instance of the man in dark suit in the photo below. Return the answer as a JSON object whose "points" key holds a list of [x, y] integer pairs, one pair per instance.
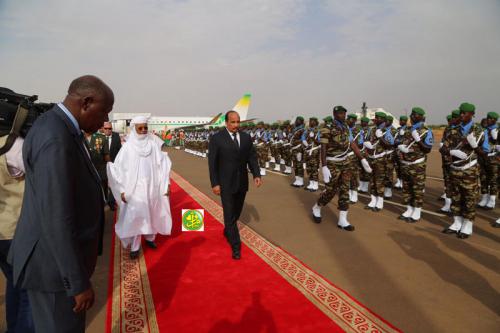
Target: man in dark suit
{"points": [[54, 250], [229, 154], [114, 141], [114, 145]]}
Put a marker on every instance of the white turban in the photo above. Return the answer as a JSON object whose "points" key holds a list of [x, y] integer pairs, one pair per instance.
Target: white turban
{"points": [[139, 120]]}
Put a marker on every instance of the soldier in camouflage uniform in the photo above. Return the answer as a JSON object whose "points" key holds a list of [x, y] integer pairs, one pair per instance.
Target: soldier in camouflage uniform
{"points": [[403, 123], [327, 122], [379, 140], [356, 133], [286, 152], [453, 121], [489, 174], [260, 139], [364, 177], [297, 152], [277, 143], [415, 144], [463, 144], [311, 142], [389, 155], [336, 143]]}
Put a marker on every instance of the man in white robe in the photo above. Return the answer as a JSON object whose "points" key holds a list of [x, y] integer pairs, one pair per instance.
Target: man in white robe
{"points": [[140, 176]]}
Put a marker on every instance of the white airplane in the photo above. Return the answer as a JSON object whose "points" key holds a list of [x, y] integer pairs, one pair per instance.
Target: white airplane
{"points": [[120, 121]]}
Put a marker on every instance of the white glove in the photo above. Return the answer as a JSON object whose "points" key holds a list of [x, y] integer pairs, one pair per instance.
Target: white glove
{"points": [[472, 140], [368, 144], [304, 142], [458, 153], [441, 145], [379, 133], [494, 133], [366, 165], [415, 135], [299, 157], [401, 132], [404, 149], [327, 175]]}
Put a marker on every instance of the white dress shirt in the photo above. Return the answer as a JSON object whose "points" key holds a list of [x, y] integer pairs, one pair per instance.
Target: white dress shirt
{"points": [[237, 136], [14, 158]]}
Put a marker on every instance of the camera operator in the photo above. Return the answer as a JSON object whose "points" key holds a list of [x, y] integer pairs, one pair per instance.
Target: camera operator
{"points": [[18, 311]]}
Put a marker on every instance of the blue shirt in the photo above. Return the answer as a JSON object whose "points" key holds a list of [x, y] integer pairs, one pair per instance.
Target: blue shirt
{"points": [[388, 135], [343, 125], [70, 116], [429, 138]]}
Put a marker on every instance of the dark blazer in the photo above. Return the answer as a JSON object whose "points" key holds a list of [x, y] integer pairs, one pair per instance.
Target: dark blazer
{"points": [[116, 145], [228, 165], [55, 244]]}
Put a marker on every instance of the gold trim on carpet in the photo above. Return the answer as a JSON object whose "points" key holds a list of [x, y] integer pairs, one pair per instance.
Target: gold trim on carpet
{"points": [[132, 308], [332, 301]]}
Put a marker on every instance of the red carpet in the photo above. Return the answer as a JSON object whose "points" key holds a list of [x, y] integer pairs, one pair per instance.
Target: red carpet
{"points": [[191, 284]]}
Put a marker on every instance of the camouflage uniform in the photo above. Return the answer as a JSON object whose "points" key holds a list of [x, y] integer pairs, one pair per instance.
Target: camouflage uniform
{"points": [[413, 166], [337, 139], [311, 138], [364, 176], [354, 163], [286, 152], [390, 164], [378, 162], [297, 151], [446, 162], [489, 173], [261, 139], [464, 173]]}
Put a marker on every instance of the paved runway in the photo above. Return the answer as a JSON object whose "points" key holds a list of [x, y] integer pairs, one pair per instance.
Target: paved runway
{"points": [[411, 274]]}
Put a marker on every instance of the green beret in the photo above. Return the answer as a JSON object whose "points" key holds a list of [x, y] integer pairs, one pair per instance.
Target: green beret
{"points": [[328, 119], [286, 122], [300, 118], [365, 119], [389, 118], [467, 107], [352, 116], [455, 113], [380, 114], [403, 118], [418, 110], [339, 108], [493, 115], [448, 117]]}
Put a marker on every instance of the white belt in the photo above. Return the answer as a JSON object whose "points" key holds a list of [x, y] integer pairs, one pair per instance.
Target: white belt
{"points": [[420, 160], [350, 153], [297, 146], [492, 154], [260, 144], [464, 167], [336, 159], [375, 156], [389, 152]]}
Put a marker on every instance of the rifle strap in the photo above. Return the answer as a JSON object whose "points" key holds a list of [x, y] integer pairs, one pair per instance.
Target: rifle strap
{"points": [[19, 120]]}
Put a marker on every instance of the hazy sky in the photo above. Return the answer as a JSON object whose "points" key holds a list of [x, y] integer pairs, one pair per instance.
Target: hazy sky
{"points": [[198, 57]]}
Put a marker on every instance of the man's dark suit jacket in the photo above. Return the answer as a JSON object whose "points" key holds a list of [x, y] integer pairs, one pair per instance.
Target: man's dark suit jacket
{"points": [[55, 245], [116, 145], [228, 165]]}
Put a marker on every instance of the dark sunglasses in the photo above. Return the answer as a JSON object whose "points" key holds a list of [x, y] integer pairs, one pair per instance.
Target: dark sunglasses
{"points": [[107, 128], [142, 128]]}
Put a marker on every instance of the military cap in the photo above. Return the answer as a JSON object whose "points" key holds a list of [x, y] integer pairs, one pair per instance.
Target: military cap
{"points": [[380, 114], [448, 117], [339, 108], [403, 118], [455, 113], [300, 118], [286, 122], [418, 110], [467, 107], [493, 115], [365, 119], [389, 118], [328, 119], [352, 116]]}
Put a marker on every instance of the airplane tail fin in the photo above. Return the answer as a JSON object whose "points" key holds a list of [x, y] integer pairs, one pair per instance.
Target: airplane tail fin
{"points": [[242, 106]]}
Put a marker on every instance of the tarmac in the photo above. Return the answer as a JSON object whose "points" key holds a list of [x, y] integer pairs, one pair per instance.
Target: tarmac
{"points": [[414, 276]]}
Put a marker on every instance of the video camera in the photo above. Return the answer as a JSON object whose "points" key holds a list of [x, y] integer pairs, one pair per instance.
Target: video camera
{"points": [[17, 114]]}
